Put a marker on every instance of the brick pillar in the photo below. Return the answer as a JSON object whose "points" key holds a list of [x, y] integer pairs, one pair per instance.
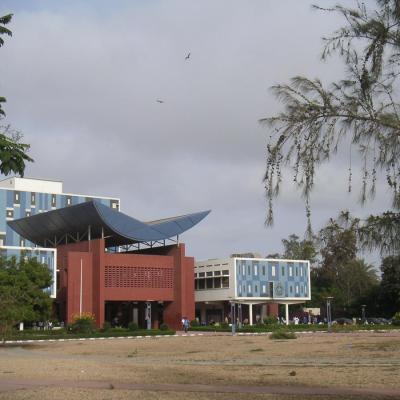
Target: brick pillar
{"points": [[273, 309], [183, 303]]}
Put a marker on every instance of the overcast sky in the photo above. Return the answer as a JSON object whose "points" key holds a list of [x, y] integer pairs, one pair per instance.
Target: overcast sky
{"points": [[82, 81]]}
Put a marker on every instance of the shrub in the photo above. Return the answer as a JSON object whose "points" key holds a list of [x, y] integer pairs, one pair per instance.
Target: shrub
{"points": [[133, 326], [164, 327], [84, 323], [106, 326], [194, 322], [396, 319], [282, 334], [270, 320], [224, 325]]}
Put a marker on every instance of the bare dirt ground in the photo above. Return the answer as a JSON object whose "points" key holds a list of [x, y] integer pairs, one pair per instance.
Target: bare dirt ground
{"points": [[317, 366]]}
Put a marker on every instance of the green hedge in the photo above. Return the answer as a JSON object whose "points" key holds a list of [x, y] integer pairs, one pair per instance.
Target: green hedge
{"points": [[64, 334], [294, 328]]}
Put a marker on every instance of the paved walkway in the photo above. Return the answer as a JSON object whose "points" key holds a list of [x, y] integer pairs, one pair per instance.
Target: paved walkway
{"points": [[19, 384]]}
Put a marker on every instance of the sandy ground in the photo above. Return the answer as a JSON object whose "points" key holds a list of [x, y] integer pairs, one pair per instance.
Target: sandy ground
{"points": [[354, 360]]}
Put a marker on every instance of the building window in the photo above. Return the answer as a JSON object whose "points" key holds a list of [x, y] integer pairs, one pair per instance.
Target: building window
{"points": [[68, 200], [33, 199], [244, 289], [28, 213], [255, 270], [225, 282], [209, 283], [243, 269], [201, 275], [225, 272], [22, 242], [263, 270], [16, 198], [217, 283], [53, 200], [255, 289], [2, 239], [249, 289], [301, 289], [217, 273], [264, 288], [301, 271], [290, 271], [248, 270], [114, 204], [240, 290], [273, 270], [297, 289], [283, 271], [291, 289], [10, 213], [297, 271], [209, 273]]}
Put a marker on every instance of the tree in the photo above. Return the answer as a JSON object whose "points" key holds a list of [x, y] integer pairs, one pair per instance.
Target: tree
{"points": [[13, 153], [341, 274], [389, 297], [22, 292], [299, 250], [361, 110]]}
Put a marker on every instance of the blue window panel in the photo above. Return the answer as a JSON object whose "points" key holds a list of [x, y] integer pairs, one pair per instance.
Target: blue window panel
{"points": [[10, 198]]}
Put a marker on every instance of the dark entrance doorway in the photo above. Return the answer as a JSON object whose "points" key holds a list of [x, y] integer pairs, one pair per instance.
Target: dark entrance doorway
{"points": [[122, 313]]}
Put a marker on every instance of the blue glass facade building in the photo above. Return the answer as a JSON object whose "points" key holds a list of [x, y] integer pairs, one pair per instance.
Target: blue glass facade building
{"points": [[278, 279], [19, 198]]}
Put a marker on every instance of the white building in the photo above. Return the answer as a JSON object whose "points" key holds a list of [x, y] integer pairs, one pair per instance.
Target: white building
{"points": [[255, 285]]}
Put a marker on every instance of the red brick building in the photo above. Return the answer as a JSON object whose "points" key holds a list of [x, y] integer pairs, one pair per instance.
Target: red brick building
{"points": [[118, 268]]}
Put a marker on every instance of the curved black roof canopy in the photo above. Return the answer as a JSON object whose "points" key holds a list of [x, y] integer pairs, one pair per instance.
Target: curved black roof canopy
{"points": [[45, 229]]}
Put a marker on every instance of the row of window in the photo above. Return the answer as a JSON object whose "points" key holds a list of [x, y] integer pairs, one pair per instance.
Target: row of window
{"points": [[224, 272], [53, 201], [255, 270], [212, 265], [212, 283], [267, 290]]}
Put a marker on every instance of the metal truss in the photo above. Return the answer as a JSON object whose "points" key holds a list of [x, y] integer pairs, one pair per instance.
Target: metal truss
{"points": [[143, 245]]}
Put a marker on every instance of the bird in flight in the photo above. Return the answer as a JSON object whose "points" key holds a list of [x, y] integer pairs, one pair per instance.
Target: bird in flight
{"points": [[188, 56], [160, 101]]}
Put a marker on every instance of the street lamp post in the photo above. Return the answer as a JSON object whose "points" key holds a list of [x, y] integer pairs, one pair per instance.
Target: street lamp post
{"points": [[329, 313], [363, 306]]}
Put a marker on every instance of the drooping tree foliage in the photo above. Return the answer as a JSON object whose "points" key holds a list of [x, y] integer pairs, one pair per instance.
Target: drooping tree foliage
{"points": [[361, 109], [13, 153], [22, 292]]}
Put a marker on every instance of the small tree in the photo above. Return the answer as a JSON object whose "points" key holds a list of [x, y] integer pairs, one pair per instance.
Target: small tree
{"points": [[23, 295]]}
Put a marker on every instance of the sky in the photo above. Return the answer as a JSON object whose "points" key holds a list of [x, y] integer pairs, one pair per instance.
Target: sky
{"points": [[82, 80]]}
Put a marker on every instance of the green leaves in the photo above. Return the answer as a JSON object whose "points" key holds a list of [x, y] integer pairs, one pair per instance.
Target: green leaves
{"points": [[22, 295], [4, 20]]}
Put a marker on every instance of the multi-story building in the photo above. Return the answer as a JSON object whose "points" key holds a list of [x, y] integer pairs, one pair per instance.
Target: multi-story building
{"points": [[255, 285], [23, 197]]}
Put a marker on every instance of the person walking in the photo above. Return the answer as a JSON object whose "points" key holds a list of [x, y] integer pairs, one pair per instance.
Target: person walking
{"points": [[185, 324]]}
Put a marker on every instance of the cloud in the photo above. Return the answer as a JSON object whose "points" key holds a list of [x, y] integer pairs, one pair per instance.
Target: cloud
{"points": [[82, 83]]}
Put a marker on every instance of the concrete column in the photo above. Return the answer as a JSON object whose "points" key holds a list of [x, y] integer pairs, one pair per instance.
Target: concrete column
{"points": [[264, 312], [148, 314], [287, 313], [251, 314], [203, 313]]}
